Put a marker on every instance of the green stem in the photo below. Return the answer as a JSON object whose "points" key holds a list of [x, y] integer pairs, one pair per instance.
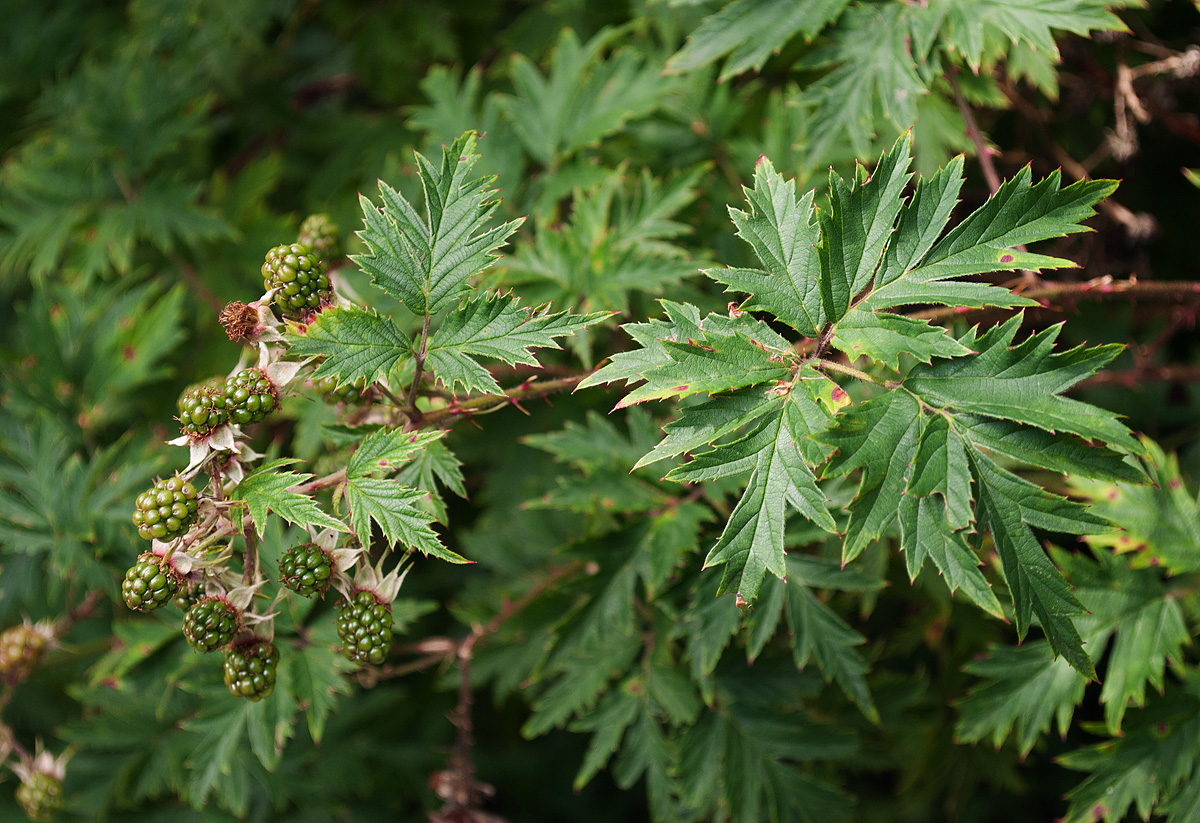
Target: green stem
{"points": [[850, 371], [418, 370]]}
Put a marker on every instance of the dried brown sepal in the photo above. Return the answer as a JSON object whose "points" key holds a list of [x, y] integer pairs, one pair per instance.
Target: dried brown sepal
{"points": [[240, 321]]}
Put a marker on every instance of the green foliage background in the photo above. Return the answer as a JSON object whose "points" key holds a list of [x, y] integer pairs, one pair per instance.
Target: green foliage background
{"points": [[152, 152]]}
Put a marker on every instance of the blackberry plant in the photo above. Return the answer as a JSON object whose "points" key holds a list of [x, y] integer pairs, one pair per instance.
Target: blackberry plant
{"points": [[833, 476]]}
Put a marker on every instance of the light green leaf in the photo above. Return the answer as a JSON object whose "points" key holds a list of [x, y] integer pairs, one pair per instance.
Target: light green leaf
{"points": [[267, 490], [783, 232], [355, 344], [1020, 212], [425, 260], [941, 468], [883, 337], [495, 326], [715, 362], [858, 225], [385, 450], [397, 510], [752, 542], [1056, 452], [705, 423]]}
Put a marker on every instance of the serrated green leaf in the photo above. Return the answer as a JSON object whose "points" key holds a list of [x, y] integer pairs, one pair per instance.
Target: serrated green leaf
{"points": [[818, 633], [705, 423], [1022, 383], [385, 450], [750, 31], [583, 97], [1135, 770], [397, 510], [1057, 452], [599, 444], [631, 365], [873, 54], [924, 532], [858, 225], [921, 221], [1161, 521], [586, 673], [355, 344], [1025, 689], [267, 490], [784, 235], [742, 762], [647, 753], [608, 722], [752, 542], [434, 464], [1020, 212], [318, 677], [880, 437], [1146, 641], [671, 537], [713, 363], [1009, 506], [497, 327], [940, 467], [883, 337], [425, 260], [974, 30]]}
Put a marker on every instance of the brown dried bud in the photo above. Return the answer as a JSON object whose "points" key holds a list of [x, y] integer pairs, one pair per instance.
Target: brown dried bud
{"points": [[240, 321]]}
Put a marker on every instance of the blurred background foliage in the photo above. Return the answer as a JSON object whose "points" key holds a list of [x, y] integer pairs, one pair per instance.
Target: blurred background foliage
{"points": [[152, 151]]}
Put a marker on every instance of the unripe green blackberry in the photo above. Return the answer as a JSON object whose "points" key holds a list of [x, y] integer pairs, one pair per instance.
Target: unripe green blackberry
{"points": [[249, 396], [211, 624], [166, 510], [296, 272], [250, 668], [20, 649], [187, 596], [328, 388], [149, 583], [320, 234], [306, 569], [364, 625], [40, 796], [203, 409]]}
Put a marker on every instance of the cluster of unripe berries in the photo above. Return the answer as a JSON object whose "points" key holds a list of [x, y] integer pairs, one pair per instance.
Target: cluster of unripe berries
{"points": [[40, 795], [21, 648], [294, 276], [246, 397], [167, 510], [210, 623], [40, 789]]}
